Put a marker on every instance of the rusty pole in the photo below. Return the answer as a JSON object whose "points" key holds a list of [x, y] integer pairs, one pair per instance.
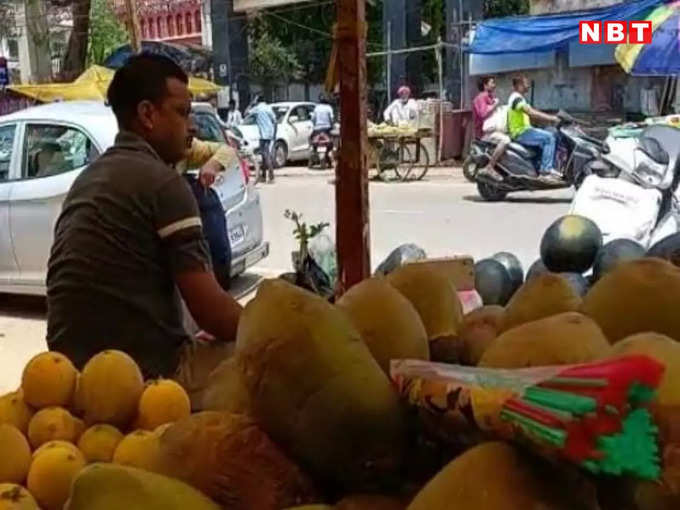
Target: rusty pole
{"points": [[351, 188]]}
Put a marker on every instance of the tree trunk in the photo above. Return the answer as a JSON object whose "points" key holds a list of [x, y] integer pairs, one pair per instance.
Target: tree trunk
{"points": [[76, 53]]}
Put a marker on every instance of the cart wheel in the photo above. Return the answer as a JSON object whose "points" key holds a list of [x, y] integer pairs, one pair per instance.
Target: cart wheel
{"points": [[418, 169], [406, 163]]}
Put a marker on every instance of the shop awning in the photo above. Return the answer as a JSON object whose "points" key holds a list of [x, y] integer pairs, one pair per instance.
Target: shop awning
{"points": [[540, 34]]}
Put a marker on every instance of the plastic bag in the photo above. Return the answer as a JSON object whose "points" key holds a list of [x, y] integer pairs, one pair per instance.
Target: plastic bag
{"points": [[400, 256], [322, 250]]}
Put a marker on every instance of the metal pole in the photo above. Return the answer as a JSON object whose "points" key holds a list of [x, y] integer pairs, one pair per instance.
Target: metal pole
{"points": [[440, 69], [389, 62], [351, 188]]}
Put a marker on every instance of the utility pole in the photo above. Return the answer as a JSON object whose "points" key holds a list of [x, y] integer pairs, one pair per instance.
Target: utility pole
{"points": [[133, 25], [351, 188]]}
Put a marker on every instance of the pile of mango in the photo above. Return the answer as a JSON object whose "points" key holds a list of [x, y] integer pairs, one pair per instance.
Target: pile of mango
{"points": [[304, 414]]}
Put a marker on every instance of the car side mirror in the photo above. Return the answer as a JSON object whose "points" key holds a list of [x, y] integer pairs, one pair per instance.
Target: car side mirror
{"points": [[293, 119]]}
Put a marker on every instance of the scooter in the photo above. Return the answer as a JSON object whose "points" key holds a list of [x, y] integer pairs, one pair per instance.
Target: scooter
{"points": [[519, 165], [321, 150], [638, 201]]}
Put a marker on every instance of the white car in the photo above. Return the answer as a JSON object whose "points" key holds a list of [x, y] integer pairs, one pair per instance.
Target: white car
{"points": [[294, 130], [42, 151]]}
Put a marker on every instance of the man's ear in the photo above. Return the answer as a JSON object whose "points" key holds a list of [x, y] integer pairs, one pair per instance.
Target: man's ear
{"points": [[145, 111]]}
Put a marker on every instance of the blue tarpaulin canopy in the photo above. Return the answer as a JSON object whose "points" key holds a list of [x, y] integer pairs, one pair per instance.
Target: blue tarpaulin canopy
{"points": [[533, 34]]}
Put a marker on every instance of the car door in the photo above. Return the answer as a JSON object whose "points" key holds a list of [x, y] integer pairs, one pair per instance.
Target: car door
{"points": [[301, 121], [8, 163], [52, 156]]}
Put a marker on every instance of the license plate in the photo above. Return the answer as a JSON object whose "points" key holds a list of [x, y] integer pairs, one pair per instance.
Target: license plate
{"points": [[237, 235]]}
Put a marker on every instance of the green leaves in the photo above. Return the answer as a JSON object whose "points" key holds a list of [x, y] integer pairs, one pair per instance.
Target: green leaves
{"points": [[271, 62], [501, 8], [302, 232], [106, 32]]}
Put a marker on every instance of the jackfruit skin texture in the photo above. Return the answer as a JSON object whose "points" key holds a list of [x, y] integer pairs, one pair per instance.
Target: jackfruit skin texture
{"points": [[388, 323], [226, 390], [231, 460], [491, 476], [480, 328], [316, 389], [540, 297], [563, 339], [113, 487], [636, 297], [433, 296]]}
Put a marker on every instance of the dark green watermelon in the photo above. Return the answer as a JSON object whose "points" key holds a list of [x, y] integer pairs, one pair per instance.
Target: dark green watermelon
{"points": [[537, 268], [514, 267], [570, 245], [578, 282], [614, 253], [668, 248], [493, 282]]}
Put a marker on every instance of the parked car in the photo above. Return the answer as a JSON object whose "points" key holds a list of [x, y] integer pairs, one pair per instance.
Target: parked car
{"points": [[42, 151], [294, 130]]}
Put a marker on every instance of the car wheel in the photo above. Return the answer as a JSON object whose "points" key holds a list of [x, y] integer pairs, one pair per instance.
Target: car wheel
{"points": [[280, 154]]}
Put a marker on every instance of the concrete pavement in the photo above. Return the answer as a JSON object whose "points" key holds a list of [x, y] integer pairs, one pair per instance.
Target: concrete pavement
{"points": [[443, 214]]}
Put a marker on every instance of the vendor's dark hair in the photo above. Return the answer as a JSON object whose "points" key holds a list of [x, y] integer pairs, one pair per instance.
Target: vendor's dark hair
{"points": [[143, 78], [518, 80], [481, 83]]}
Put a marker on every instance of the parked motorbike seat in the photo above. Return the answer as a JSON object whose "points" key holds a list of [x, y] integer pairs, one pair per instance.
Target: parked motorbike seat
{"points": [[523, 151]]}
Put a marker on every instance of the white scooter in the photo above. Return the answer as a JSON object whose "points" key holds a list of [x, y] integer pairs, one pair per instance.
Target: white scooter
{"points": [[637, 201]]}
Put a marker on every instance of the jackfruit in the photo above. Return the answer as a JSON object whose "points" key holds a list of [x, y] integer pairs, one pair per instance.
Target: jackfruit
{"points": [[433, 296], [562, 339], [230, 459], [112, 487], [540, 297], [49, 379], [16, 497], [480, 328], [15, 411], [110, 386], [15, 455], [316, 389], [636, 297], [491, 476], [227, 390], [387, 322]]}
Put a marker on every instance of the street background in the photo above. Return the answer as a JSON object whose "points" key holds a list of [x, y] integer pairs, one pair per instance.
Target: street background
{"points": [[443, 214]]}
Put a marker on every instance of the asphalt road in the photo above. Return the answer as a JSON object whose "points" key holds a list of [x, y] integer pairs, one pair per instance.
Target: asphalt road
{"points": [[443, 214]]}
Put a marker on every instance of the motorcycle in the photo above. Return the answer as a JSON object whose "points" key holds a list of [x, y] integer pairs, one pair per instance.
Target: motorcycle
{"points": [[638, 201], [321, 151], [518, 168]]}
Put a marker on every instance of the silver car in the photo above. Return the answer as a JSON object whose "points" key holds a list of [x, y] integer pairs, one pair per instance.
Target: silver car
{"points": [[42, 151]]}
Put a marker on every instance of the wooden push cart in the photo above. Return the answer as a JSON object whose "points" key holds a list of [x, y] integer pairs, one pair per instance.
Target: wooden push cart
{"points": [[403, 154]]}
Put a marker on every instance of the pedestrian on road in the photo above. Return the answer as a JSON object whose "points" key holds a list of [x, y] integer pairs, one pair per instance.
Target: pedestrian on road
{"points": [[234, 117], [520, 115], [484, 106], [128, 242], [266, 124]]}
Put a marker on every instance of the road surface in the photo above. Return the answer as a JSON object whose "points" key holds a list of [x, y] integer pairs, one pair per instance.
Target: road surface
{"points": [[443, 215]]}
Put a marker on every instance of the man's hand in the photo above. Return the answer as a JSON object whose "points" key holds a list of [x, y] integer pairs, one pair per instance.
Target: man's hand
{"points": [[208, 173]]}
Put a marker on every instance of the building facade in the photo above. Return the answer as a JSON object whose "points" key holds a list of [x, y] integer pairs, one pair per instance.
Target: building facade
{"points": [[173, 21]]}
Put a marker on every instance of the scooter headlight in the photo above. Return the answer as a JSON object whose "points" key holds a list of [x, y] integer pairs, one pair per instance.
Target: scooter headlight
{"points": [[647, 172]]}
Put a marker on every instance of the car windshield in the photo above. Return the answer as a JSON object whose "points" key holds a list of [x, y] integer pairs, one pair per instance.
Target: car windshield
{"points": [[279, 110]]}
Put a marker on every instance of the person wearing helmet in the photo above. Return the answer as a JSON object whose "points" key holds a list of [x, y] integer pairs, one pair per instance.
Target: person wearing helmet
{"points": [[403, 110]]}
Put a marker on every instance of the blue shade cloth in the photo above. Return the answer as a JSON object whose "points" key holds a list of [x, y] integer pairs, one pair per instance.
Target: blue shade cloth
{"points": [[529, 34], [662, 57]]}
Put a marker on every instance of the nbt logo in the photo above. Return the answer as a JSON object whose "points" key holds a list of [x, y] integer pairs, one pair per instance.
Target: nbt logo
{"points": [[615, 32]]}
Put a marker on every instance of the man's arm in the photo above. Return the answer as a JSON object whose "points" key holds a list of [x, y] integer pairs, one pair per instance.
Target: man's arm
{"points": [[178, 224], [212, 308], [540, 116], [387, 115], [211, 157]]}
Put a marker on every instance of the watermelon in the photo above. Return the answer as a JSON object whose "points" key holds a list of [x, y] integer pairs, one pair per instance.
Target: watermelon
{"points": [[615, 252], [570, 244], [578, 282], [536, 269], [668, 248], [514, 267], [493, 282]]}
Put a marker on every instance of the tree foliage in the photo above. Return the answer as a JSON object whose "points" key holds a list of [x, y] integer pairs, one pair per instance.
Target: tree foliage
{"points": [[501, 8], [7, 20], [271, 63], [106, 32]]}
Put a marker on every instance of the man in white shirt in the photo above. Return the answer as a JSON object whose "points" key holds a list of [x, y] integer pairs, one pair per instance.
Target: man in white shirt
{"points": [[234, 117], [403, 110], [323, 119]]}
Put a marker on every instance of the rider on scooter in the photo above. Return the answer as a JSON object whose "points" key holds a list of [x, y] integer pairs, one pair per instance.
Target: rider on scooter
{"points": [[484, 106], [520, 115], [323, 119]]}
